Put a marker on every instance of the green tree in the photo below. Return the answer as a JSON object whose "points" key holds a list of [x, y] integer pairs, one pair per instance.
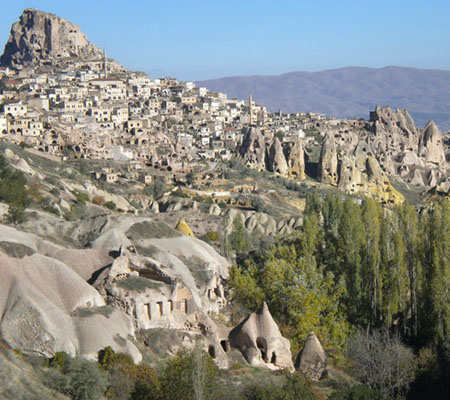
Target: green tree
{"points": [[239, 238], [190, 375]]}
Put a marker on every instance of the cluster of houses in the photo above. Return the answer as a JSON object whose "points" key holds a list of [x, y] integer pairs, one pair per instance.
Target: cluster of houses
{"points": [[85, 112]]}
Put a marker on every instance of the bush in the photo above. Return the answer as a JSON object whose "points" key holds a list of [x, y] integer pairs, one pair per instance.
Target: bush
{"points": [[15, 215], [82, 198], [85, 381], [383, 362], [111, 205], [359, 392], [212, 236], [190, 375], [98, 200]]}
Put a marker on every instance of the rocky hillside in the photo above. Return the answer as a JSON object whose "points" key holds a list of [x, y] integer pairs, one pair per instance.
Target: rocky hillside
{"points": [[43, 38], [348, 92]]}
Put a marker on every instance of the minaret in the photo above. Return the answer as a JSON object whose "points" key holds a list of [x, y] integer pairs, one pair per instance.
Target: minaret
{"points": [[105, 69], [250, 105]]}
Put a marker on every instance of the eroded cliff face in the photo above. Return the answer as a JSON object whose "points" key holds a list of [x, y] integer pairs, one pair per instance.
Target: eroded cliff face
{"points": [[39, 37]]}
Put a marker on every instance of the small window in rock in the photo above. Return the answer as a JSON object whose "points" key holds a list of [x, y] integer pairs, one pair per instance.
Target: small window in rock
{"points": [[170, 305], [160, 307], [148, 311], [184, 306]]}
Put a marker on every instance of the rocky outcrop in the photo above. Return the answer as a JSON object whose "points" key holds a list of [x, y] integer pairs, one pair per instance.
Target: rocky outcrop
{"points": [[312, 359], [277, 160], [260, 341], [253, 149], [296, 161], [40, 37], [328, 162], [431, 148]]}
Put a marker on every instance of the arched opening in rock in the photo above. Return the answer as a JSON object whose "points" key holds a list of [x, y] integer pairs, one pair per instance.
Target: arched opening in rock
{"points": [[225, 345], [170, 305], [160, 307], [262, 346], [212, 351]]}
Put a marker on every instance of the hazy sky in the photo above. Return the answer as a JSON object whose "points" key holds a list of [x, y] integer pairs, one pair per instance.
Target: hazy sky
{"points": [[201, 39]]}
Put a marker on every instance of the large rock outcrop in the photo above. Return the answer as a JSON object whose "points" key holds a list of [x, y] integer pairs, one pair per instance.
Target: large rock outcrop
{"points": [[431, 148], [312, 360], [328, 162], [253, 149], [296, 161], [277, 160], [40, 37], [260, 341]]}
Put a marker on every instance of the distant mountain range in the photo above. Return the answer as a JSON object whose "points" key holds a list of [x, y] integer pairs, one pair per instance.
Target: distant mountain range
{"points": [[348, 92]]}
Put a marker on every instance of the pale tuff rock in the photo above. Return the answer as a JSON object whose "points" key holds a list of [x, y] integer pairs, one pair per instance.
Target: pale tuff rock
{"points": [[328, 162], [312, 360], [350, 179], [39, 37], [277, 160], [296, 161], [431, 148], [253, 149], [260, 341]]}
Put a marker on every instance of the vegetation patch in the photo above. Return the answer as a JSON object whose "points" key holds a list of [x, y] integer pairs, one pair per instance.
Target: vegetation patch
{"points": [[138, 284]]}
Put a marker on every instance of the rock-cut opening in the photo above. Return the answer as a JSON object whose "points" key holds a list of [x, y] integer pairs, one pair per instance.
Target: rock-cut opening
{"points": [[262, 347]]}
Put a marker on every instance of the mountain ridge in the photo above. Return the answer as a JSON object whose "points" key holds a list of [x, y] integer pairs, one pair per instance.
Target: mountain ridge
{"points": [[347, 92]]}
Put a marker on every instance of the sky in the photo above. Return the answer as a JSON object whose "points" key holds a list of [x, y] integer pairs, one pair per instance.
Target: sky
{"points": [[201, 39]]}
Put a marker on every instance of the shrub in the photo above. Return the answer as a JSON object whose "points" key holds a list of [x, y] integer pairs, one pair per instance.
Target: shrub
{"points": [[111, 205], [82, 197], [190, 375], [98, 200], [359, 392], [85, 381], [213, 236], [15, 215]]}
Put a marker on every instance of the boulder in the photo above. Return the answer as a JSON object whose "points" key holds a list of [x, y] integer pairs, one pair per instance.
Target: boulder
{"points": [[312, 359], [259, 340]]}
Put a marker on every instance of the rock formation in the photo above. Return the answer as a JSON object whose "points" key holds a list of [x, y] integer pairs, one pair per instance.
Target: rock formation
{"points": [[253, 149], [184, 228], [277, 160], [260, 341], [328, 163], [431, 148], [39, 37], [296, 161], [312, 359]]}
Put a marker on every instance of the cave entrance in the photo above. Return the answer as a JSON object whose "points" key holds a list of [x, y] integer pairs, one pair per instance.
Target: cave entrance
{"points": [[225, 345], [273, 359], [262, 347]]}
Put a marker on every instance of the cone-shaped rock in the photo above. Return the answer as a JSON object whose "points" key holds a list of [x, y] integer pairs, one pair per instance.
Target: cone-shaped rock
{"points": [[312, 360], [328, 163], [259, 340], [277, 160], [431, 148], [253, 149], [296, 161]]}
